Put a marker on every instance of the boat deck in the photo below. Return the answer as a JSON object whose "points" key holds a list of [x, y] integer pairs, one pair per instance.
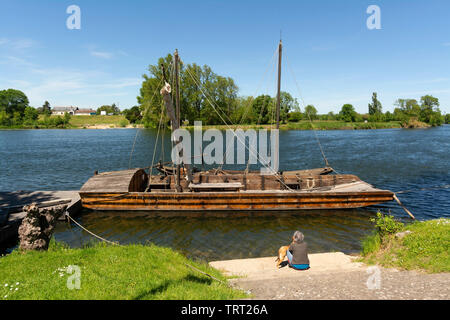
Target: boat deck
{"points": [[133, 190]]}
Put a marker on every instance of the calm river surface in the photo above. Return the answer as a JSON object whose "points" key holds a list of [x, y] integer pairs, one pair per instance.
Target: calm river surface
{"points": [[394, 159]]}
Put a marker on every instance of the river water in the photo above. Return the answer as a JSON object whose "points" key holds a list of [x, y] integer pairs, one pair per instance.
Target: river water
{"points": [[394, 159]]}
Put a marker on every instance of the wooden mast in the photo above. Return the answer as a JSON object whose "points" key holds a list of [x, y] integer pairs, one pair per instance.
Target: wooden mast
{"points": [[177, 105], [177, 88], [280, 47], [165, 92]]}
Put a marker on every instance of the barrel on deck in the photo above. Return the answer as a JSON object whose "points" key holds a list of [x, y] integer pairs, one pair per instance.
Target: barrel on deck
{"points": [[133, 180]]}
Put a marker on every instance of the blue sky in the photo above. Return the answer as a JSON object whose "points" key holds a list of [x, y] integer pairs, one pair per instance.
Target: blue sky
{"points": [[335, 58]]}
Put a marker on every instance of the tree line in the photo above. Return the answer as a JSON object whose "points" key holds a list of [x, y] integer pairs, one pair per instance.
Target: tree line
{"points": [[16, 112], [213, 99], [200, 88]]}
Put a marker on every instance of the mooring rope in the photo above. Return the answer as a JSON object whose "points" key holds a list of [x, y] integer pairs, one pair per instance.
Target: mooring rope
{"points": [[446, 186], [91, 233], [206, 274]]}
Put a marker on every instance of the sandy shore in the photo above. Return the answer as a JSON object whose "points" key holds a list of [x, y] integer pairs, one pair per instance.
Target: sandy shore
{"points": [[109, 126]]}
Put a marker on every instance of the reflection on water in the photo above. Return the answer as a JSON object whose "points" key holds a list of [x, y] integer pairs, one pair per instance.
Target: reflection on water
{"points": [[227, 237], [394, 159]]}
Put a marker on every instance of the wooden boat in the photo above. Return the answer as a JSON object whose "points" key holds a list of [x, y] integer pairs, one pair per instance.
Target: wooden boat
{"points": [[125, 190], [182, 188]]}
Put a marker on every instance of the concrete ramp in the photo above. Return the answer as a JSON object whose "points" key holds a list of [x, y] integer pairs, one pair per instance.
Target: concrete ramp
{"points": [[265, 268]]}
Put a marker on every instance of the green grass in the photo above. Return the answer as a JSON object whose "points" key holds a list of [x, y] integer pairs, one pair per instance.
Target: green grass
{"points": [[110, 272], [119, 121], [317, 125], [341, 125], [85, 121], [426, 248]]}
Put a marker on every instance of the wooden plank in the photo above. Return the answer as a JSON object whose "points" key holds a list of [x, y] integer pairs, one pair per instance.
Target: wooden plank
{"points": [[118, 181], [236, 201], [231, 185], [44, 204]]}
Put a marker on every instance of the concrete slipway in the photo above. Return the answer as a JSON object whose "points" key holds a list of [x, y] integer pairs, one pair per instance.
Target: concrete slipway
{"points": [[332, 276]]}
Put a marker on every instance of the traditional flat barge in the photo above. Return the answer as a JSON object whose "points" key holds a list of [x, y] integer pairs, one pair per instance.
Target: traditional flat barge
{"points": [[181, 188]]}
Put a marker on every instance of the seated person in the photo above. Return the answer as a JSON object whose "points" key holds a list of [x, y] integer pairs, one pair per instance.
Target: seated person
{"points": [[298, 252]]}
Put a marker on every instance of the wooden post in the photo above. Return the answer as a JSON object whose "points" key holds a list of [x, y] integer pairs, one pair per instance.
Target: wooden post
{"points": [[404, 208], [280, 46]]}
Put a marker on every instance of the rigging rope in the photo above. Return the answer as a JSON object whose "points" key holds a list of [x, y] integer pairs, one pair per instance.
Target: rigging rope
{"points": [[237, 137], [252, 98], [137, 131], [261, 113], [309, 116], [154, 152], [132, 149]]}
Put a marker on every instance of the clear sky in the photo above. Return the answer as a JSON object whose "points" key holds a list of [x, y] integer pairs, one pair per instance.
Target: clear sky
{"points": [[335, 58]]}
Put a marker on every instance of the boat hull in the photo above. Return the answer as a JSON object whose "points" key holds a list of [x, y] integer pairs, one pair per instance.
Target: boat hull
{"points": [[231, 201]]}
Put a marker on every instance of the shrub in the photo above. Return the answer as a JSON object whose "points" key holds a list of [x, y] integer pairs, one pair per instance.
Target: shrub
{"points": [[58, 121], [294, 116], [123, 123], [386, 225]]}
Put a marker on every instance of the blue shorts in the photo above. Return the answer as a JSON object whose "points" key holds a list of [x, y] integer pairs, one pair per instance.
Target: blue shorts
{"points": [[296, 266]]}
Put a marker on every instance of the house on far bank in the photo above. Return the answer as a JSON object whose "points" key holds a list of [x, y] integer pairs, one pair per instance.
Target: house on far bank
{"points": [[60, 111], [85, 112], [74, 111]]}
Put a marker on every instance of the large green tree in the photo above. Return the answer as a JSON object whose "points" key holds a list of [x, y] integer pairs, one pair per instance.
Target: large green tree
{"points": [[262, 108], [13, 102], [204, 95], [133, 115], [243, 113], [429, 110], [287, 103], [375, 107], [409, 107], [109, 109], [348, 113], [310, 112], [45, 109]]}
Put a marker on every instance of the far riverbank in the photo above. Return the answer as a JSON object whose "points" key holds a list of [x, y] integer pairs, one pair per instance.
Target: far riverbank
{"points": [[119, 121]]}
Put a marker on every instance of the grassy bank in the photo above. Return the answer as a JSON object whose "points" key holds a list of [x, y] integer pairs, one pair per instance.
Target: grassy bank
{"points": [[317, 125], [75, 122], [425, 248], [109, 272], [340, 125], [118, 121]]}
